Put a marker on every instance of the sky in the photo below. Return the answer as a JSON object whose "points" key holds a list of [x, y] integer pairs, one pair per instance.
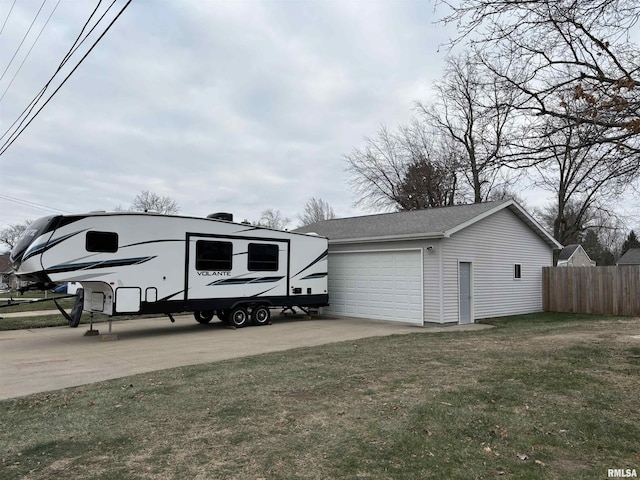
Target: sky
{"points": [[225, 106]]}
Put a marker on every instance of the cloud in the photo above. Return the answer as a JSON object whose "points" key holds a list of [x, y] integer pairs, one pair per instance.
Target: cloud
{"points": [[224, 106]]}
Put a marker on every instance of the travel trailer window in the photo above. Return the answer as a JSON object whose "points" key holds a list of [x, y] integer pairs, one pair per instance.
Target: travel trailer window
{"points": [[263, 257], [213, 255], [102, 242]]}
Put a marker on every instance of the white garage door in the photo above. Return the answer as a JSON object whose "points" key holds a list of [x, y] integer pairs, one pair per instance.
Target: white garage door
{"points": [[378, 285]]}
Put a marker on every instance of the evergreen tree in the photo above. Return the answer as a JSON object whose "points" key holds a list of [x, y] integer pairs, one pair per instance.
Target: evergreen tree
{"points": [[596, 250], [631, 242]]}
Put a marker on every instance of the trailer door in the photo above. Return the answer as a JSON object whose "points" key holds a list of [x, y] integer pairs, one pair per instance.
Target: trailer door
{"points": [[236, 267]]}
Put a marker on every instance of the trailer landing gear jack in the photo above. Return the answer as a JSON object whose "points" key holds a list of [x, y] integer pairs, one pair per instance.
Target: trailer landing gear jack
{"points": [[109, 337], [91, 332]]}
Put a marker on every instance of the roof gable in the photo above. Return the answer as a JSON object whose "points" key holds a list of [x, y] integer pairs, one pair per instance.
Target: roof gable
{"points": [[439, 222], [630, 257], [567, 252]]}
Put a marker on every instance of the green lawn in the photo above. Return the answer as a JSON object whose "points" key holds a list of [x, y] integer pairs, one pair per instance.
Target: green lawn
{"points": [[29, 294], [538, 397]]}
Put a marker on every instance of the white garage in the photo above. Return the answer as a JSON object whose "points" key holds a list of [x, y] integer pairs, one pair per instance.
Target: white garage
{"points": [[378, 284], [439, 265]]}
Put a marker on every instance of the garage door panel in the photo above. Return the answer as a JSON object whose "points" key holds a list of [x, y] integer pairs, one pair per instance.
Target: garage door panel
{"points": [[378, 285]]}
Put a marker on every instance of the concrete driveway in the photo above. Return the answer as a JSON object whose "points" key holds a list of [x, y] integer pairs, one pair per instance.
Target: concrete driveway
{"points": [[44, 359]]}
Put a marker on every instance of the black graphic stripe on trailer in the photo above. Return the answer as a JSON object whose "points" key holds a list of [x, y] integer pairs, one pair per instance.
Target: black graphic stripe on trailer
{"points": [[313, 276], [245, 281], [125, 262], [169, 296], [151, 241], [43, 247], [321, 257]]}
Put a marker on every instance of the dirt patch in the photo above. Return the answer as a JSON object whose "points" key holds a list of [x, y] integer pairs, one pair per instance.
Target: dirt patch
{"points": [[622, 330]]}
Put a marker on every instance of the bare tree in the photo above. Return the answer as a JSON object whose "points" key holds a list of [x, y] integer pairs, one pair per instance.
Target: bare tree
{"points": [[553, 51], [569, 226], [273, 219], [584, 175], [474, 110], [575, 221], [505, 193], [611, 234], [377, 170], [10, 235], [431, 175], [316, 210], [147, 201], [402, 171]]}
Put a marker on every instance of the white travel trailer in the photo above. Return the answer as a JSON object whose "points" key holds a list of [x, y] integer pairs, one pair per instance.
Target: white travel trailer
{"points": [[137, 263]]}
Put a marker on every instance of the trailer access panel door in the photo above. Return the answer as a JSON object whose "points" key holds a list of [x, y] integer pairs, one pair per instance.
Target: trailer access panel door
{"points": [[236, 267]]}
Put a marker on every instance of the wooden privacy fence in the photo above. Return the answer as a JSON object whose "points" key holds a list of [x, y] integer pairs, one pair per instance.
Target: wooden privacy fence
{"points": [[606, 290]]}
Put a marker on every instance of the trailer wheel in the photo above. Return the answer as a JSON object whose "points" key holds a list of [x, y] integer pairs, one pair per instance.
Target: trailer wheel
{"points": [[203, 317], [223, 315], [239, 317], [260, 315]]}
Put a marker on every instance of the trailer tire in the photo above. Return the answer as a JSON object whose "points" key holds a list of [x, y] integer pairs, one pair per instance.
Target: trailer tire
{"points": [[203, 316], [261, 315], [223, 315], [239, 317]]}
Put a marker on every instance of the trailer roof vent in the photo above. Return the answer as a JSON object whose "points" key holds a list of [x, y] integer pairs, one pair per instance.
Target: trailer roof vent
{"points": [[221, 216]]}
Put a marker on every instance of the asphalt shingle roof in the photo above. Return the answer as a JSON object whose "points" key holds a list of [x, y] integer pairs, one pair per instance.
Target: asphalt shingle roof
{"points": [[631, 257], [566, 252], [428, 223]]}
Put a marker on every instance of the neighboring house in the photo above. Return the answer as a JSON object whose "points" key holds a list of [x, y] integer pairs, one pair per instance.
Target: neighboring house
{"points": [[442, 265], [574, 256], [630, 257], [7, 278]]}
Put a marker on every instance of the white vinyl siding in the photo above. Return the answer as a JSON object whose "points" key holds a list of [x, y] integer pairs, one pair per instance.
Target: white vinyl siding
{"points": [[579, 259], [493, 245], [433, 288]]}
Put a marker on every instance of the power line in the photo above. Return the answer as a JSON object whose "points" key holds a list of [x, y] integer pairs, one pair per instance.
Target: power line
{"points": [[21, 129], [27, 203], [23, 39], [29, 52], [72, 49], [40, 94], [29, 108], [8, 15]]}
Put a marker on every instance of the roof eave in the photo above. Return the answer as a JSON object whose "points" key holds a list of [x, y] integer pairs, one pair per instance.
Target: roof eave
{"points": [[388, 238]]}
